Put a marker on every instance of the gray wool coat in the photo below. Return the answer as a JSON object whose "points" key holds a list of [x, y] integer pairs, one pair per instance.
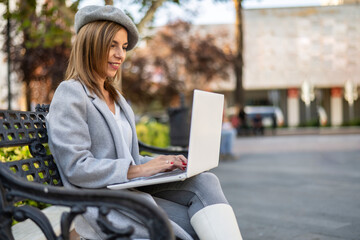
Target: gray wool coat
{"points": [[88, 147]]}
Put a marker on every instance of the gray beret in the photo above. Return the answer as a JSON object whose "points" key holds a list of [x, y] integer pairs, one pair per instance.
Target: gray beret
{"points": [[94, 13]]}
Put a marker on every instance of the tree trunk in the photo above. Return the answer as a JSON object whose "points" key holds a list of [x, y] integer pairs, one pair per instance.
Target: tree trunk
{"points": [[8, 43], [239, 90], [27, 68], [149, 14], [28, 95], [109, 2]]}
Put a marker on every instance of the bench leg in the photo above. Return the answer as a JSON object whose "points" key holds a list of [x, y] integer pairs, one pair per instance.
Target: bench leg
{"points": [[5, 227]]}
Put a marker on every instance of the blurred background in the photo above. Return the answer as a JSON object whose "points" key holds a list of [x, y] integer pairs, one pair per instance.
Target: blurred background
{"points": [[298, 59], [290, 73]]}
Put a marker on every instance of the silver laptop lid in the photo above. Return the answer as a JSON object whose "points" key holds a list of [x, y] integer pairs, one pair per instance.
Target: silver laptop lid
{"points": [[205, 132]]}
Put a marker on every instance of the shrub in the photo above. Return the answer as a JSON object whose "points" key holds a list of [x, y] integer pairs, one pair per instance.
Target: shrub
{"points": [[153, 133], [355, 122], [14, 154]]}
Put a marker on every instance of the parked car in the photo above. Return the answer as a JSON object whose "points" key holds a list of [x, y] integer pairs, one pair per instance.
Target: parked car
{"points": [[270, 116]]}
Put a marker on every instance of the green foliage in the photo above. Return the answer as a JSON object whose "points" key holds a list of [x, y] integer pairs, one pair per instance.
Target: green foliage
{"points": [[40, 38], [153, 133], [9, 154], [311, 123], [355, 122], [14, 153], [47, 28]]}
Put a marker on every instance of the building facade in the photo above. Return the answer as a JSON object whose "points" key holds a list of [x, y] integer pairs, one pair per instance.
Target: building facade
{"points": [[302, 58]]}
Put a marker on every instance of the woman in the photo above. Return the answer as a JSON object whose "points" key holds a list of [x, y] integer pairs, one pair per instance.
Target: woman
{"points": [[93, 139], [228, 135]]}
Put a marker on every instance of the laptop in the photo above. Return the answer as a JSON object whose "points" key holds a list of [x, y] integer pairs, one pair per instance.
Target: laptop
{"points": [[204, 142]]}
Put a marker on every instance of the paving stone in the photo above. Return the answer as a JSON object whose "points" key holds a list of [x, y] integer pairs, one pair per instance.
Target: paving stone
{"points": [[295, 187]]}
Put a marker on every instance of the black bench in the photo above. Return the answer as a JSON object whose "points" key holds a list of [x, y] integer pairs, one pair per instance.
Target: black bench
{"points": [[38, 179]]}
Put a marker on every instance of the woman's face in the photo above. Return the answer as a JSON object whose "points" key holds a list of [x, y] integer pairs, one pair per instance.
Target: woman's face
{"points": [[117, 52]]}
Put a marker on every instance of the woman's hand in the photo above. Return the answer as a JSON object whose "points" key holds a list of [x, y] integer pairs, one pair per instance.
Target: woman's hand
{"points": [[178, 161], [162, 163]]}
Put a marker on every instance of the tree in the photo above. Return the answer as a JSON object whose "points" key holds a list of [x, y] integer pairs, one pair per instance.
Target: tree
{"points": [[41, 42], [238, 59], [177, 59], [239, 62], [43, 39]]}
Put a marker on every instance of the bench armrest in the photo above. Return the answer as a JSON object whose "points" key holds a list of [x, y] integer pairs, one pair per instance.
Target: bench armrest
{"points": [[165, 151], [13, 187]]}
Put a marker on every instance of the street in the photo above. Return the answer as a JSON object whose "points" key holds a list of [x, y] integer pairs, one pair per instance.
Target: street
{"points": [[295, 187]]}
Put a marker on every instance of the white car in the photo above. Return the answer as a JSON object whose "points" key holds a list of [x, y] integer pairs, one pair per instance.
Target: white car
{"points": [[267, 114]]}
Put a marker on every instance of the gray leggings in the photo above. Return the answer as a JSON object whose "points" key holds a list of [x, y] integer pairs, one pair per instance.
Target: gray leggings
{"points": [[181, 200]]}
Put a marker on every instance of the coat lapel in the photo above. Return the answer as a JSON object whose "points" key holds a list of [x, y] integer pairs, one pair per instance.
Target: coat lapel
{"points": [[110, 121]]}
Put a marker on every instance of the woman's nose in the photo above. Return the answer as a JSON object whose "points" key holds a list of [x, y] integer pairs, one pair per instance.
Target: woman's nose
{"points": [[120, 53]]}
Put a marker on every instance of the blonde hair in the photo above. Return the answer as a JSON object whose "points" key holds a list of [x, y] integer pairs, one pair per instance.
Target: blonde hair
{"points": [[89, 56]]}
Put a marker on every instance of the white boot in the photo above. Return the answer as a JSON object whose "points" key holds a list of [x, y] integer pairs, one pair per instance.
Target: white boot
{"points": [[216, 222]]}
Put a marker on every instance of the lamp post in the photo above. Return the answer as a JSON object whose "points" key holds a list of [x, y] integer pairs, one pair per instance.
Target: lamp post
{"points": [[350, 95], [307, 95]]}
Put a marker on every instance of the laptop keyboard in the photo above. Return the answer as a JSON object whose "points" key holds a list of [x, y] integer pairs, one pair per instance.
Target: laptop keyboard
{"points": [[160, 175], [166, 174]]}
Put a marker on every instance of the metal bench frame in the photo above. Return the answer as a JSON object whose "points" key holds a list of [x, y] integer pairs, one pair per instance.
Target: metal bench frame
{"points": [[38, 179]]}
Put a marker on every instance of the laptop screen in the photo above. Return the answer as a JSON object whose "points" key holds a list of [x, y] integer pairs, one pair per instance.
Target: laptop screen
{"points": [[205, 131]]}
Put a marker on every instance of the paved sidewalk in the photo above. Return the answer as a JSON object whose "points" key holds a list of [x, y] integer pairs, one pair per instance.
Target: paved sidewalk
{"points": [[315, 131], [304, 187]]}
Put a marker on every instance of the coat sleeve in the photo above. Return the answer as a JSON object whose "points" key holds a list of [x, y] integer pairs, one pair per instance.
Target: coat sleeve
{"points": [[70, 141], [144, 159]]}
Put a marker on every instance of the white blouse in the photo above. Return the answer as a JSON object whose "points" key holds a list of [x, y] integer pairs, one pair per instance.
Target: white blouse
{"points": [[124, 126]]}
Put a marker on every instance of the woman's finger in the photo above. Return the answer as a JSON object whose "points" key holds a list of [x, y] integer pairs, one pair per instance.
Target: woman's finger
{"points": [[182, 158]]}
